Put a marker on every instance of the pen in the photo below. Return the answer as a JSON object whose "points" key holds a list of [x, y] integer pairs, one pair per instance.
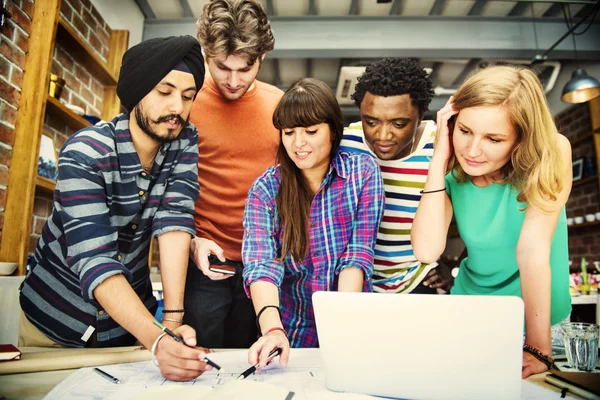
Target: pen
{"points": [[106, 375], [252, 369], [180, 340]]}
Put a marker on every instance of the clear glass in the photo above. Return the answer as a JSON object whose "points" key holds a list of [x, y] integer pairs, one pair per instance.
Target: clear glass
{"points": [[581, 345]]}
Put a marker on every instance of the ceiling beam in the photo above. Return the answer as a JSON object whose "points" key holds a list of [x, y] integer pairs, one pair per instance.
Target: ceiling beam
{"points": [[276, 72], [555, 10], [477, 8], [519, 9], [435, 71], [353, 8], [187, 10], [270, 9], [439, 37], [312, 7], [145, 8], [437, 7], [460, 78], [309, 68], [396, 7]]}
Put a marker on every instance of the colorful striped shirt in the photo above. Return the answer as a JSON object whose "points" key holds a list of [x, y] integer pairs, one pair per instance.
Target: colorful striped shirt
{"points": [[396, 268], [344, 216], [106, 207]]}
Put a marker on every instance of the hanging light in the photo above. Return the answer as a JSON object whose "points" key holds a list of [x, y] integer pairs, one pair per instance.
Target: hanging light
{"points": [[580, 88]]}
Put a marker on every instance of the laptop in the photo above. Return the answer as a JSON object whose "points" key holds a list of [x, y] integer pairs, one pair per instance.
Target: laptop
{"points": [[421, 346]]}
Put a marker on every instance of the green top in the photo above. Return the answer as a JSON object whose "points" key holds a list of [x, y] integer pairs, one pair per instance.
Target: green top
{"points": [[489, 221]]}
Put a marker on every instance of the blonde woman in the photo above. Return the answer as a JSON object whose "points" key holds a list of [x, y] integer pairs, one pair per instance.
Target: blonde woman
{"points": [[508, 181]]}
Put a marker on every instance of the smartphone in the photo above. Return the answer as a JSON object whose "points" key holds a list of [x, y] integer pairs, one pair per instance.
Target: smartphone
{"points": [[223, 269]]}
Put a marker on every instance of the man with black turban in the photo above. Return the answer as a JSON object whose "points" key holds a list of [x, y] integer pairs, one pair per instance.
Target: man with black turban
{"points": [[120, 183]]}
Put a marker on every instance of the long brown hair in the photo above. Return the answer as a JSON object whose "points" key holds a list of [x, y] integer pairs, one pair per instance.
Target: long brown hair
{"points": [[534, 168], [306, 103]]}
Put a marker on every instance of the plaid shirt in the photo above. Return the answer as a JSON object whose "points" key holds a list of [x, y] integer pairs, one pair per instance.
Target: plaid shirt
{"points": [[106, 207], [344, 217]]}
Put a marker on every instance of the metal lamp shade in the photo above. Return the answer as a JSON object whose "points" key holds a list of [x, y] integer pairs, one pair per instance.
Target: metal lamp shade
{"points": [[580, 88]]}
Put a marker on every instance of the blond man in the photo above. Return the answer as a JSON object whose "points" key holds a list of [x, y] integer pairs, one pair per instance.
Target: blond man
{"points": [[237, 142]]}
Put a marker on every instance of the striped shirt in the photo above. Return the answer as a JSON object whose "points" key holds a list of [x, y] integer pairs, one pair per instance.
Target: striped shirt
{"points": [[396, 268], [106, 207], [344, 216]]}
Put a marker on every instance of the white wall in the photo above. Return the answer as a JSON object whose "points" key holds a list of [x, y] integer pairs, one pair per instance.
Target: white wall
{"points": [[556, 104], [122, 14]]}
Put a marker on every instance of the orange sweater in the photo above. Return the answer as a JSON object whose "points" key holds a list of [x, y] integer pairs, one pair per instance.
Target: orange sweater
{"points": [[237, 142]]}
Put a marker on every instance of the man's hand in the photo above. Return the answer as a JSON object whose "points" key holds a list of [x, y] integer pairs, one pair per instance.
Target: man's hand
{"points": [[439, 278], [201, 249], [178, 362]]}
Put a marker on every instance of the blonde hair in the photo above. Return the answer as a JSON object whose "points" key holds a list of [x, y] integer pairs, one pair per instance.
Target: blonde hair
{"points": [[535, 165], [235, 27]]}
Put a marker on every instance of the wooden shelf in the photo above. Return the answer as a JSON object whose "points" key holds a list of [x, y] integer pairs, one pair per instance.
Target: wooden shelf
{"points": [[581, 139], [45, 184], [84, 54], [584, 224], [586, 180], [73, 120]]}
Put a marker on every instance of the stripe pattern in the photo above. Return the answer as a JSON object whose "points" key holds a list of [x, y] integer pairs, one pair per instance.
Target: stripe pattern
{"points": [[396, 269], [344, 217], [105, 210]]}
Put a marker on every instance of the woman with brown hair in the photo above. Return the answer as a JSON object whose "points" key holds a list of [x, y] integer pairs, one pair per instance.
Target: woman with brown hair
{"points": [[310, 222]]}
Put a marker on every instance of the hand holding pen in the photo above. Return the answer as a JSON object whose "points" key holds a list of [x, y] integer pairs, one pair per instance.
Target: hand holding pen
{"points": [[263, 348], [177, 362], [253, 368]]}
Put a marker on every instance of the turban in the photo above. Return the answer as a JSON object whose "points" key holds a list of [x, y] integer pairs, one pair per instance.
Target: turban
{"points": [[147, 63]]}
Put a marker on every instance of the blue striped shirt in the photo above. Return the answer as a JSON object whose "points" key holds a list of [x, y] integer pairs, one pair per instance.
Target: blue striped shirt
{"points": [[344, 216], [106, 207]]}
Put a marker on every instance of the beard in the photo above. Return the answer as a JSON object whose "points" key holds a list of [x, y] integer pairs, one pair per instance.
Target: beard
{"points": [[146, 125]]}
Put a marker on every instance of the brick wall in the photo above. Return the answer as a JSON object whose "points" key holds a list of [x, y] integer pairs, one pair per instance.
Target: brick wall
{"points": [[574, 123], [14, 39]]}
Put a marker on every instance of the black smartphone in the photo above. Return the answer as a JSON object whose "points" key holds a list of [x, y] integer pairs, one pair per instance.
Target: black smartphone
{"points": [[215, 267]]}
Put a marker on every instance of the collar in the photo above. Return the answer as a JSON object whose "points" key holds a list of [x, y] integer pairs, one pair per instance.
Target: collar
{"points": [[336, 166]]}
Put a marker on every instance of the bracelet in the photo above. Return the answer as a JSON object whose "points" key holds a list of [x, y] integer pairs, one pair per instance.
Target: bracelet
{"points": [[433, 191], [277, 328], [154, 346], [548, 360], [261, 311], [172, 320], [174, 311]]}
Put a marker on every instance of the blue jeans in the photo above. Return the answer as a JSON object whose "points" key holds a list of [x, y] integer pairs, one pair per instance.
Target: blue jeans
{"points": [[220, 312]]}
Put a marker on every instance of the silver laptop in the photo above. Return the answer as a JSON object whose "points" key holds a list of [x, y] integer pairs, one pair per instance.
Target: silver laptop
{"points": [[421, 346]]}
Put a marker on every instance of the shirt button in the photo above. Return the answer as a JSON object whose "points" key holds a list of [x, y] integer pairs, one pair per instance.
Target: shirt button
{"points": [[143, 174], [119, 258], [318, 277], [101, 312], [144, 198], [134, 226], [141, 192]]}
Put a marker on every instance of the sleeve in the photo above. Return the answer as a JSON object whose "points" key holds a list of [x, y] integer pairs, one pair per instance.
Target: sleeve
{"points": [[91, 239], [176, 209], [260, 247], [360, 250], [449, 181]]}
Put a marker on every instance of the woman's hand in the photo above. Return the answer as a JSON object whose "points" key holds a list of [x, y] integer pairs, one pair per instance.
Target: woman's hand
{"points": [[261, 349], [442, 148], [532, 365], [179, 362], [201, 248]]}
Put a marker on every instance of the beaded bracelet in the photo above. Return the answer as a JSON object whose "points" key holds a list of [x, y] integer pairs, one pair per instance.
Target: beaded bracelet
{"points": [[173, 311], [277, 328], [547, 360]]}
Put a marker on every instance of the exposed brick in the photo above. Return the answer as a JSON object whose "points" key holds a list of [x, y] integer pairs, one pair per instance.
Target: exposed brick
{"points": [[22, 40], [87, 95], [16, 77], [95, 43], [5, 157], [97, 88], [2, 196], [3, 176], [64, 59], [75, 5], [8, 113], [20, 18], [104, 37], [60, 140], [7, 135], [13, 53], [66, 10], [57, 69], [9, 93], [72, 82], [90, 20], [80, 26], [41, 207], [4, 67], [83, 75], [33, 240], [8, 30], [96, 15], [78, 101], [27, 7], [104, 53], [86, 4]]}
